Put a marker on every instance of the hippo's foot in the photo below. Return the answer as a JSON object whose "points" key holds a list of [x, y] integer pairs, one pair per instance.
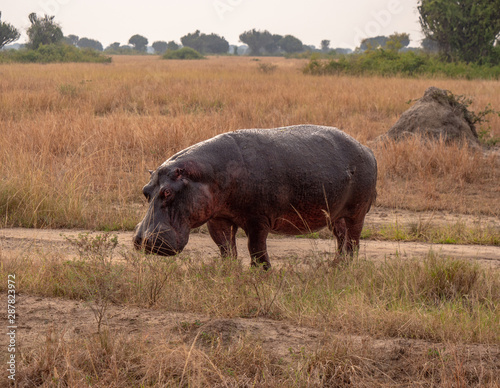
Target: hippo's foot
{"points": [[264, 264]]}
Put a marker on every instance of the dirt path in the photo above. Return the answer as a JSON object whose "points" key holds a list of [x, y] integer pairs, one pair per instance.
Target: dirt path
{"points": [[382, 216], [19, 241]]}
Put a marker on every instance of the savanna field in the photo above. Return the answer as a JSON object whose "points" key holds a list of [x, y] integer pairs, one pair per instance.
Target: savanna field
{"points": [[78, 139], [76, 144]]}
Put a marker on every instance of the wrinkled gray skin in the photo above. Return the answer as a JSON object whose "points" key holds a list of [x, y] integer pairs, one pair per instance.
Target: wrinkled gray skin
{"points": [[290, 180]]}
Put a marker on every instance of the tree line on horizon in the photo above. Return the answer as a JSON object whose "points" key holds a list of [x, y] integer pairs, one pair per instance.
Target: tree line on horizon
{"points": [[460, 30], [46, 31]]}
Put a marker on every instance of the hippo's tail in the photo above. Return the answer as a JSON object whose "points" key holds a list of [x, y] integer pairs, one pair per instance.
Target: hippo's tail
{"points": [[374, 194], [374, 197]]}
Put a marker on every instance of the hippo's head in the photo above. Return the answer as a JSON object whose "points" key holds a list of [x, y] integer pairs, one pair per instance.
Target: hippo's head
{"points": [[178, 201]]}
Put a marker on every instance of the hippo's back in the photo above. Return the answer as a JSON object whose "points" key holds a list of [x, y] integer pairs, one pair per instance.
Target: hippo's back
{"points": [[295, 166], [303, 169], [302, 153]]}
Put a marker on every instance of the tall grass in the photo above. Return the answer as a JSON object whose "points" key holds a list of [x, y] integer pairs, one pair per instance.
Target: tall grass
{"points": [[137, 360], [435, 175], [78, 139]]}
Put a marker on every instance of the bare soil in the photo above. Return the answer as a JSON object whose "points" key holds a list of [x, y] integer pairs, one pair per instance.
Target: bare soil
{"points": [[40, 316], [391, 361], [22, 241]]}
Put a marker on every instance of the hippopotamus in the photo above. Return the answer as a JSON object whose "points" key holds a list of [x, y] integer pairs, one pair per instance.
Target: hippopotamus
{"points": [[290, 180]]}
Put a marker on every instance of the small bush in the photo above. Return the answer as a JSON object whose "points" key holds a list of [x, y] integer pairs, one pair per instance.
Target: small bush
{"points": [[54, 53], [267, 68], [94, 276], [183, 53]]}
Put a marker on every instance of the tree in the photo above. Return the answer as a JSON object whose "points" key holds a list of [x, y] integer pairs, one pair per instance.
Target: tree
{"points": [[463, 29], [397, 41], [203, 43], [429, 45], [273, 45], [172, 45], [160, 46], [257, 40], [90, 43], [342, 51], [8, 33], [291, 44], [43, 31], [139, 42], [325, 45], [214, 44], [193, 40], [113, 46], [373, 43], [71, 40]]}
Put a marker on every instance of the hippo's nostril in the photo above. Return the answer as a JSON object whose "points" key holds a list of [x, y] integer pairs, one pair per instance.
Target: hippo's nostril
{"points": [[147, 243]]}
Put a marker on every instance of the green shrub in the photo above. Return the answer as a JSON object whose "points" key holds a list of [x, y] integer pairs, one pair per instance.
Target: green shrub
{"points": [[388, 63], [54, 53], [183, 53], [123, 50]]}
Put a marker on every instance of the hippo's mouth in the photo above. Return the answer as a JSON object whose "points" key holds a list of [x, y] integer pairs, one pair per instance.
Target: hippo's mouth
{"points": [[156, 246], [161, 250]]}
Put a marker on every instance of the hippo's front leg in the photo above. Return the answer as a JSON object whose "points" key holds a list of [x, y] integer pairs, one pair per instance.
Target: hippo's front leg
{"points": [[223, 232], [257, 245]]}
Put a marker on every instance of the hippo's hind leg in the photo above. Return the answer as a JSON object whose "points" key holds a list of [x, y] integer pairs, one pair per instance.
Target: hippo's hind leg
{"points": [[348, 232], [354, 226], [354, 229], [339, 230], [223, 232]]}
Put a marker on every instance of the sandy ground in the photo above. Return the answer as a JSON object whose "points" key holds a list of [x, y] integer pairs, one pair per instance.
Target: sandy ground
{"points": [[39, 316], [19, 241], [389, 359], [22, 241]]}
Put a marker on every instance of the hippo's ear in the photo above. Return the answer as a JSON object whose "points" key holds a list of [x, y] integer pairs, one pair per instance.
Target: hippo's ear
{"points": [[151, 172], [190, 172], [179, 173]]}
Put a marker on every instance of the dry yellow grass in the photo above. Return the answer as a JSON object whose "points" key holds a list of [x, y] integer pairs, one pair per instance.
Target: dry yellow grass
{"points": [[77, 139], [427, 321]]}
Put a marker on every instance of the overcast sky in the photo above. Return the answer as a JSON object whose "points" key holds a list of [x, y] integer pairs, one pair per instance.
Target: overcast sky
{"points": [[344, 23]]}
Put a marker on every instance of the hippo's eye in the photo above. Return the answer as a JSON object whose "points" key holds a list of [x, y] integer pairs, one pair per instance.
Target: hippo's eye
{"points": [[166, 193]]}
